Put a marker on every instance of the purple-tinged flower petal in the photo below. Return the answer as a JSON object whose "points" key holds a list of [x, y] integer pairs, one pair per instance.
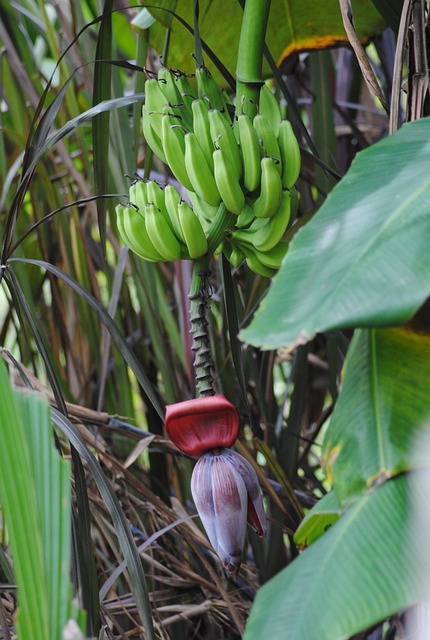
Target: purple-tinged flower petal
{"points": [[256, 517], [221, 499], [202, 424]]}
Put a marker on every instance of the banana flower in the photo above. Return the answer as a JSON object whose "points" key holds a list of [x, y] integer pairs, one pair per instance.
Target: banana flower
{"points": [[224, 485]]}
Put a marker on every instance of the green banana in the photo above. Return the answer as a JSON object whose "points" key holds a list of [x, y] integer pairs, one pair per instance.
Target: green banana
{"points": [[269, 200], [161, 234], [208, 88], [227, 182], [155, 195], [168, 85], [151, 137], [269, 107], [155, 100], [267, 235], [290, 154], [201, 128], [199, 172], [254, 262], [267, 138], [236, 256], [223, 137], [172, 138], [273, 258], [131, 226], [204, 211], [187, 96], [250, 151], [246, 217], [192, 231], [137, 195], [171, 200]]}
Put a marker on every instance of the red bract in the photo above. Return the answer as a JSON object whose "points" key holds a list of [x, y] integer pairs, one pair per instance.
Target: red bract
{"points": [[199, 425]]}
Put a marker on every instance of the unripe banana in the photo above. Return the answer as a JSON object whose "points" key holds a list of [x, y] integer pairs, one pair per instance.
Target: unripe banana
{"points": [[254, 263], [246, 217], [151, 137], [224, 138], [154, 103], [267, 235], [236, 256], [205, 212], [171, 200], [201, 177], [192, 231], [137, 195], [155, 195], [273, 258], [269, 107], [227, 182], [161, 234], [267, 138], [208, 88], [269, 200], [172, 137], [250, 151], [167, 83], [131, 226], [201, 128], [184, 86], [290, 154]]}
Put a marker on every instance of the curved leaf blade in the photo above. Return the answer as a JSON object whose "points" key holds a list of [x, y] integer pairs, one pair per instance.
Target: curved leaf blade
{"points": [[383, 404], [362, 570], [363, 259]]}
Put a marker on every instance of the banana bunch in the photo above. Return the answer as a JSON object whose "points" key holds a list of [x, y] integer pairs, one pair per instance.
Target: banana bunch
{"points": [[250, 166], [158, 225]]}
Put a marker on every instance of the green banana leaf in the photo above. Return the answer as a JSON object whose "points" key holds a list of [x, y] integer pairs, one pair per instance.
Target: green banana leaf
{"points": [[323, 515], [383, 403], [35, 497], [363, 259], [362, 570], [294, 25]]}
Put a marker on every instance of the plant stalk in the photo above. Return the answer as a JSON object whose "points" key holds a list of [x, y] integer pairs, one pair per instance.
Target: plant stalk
{"points": [[250, 56], [199, 296]]}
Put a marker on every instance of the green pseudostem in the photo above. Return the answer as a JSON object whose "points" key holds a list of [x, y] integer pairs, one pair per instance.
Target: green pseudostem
{"points": [[248, 83]]}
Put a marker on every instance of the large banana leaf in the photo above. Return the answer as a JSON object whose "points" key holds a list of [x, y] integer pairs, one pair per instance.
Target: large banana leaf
{"points": [[35, 496], [360, 571], [294, 25], [363, 259], [384, 402]]}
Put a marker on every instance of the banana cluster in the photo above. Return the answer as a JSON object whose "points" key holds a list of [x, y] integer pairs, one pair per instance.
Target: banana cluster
{"points": [[251, 166], [158, 225]]}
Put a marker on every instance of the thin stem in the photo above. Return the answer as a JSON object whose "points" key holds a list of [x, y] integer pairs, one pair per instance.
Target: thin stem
{"points": [[199, 296], [250, 56]]}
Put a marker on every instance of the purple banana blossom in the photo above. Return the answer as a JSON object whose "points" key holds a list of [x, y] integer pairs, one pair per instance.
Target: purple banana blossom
{"points": [[227, 495]]}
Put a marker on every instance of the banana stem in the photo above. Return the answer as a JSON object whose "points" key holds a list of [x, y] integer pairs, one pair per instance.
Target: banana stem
{"points": [[199, 296], [250, 56]]}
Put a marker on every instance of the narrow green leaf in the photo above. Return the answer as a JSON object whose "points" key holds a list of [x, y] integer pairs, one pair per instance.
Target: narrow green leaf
{"points": [[383, 403], [362, 570], [363, 258]]}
